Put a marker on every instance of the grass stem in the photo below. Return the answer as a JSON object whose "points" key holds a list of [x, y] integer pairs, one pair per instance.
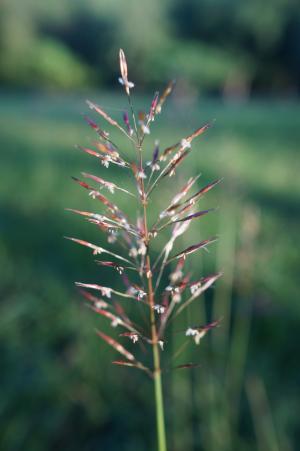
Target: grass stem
{"points": [[160, 418], [159, 404]]}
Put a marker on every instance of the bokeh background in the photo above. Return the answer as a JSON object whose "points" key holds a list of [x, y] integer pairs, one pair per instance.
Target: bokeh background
{"points": [[236, 62]]}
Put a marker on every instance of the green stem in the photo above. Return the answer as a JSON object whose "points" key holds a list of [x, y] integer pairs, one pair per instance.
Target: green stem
{"points": [[159, 405], [160, 418]]}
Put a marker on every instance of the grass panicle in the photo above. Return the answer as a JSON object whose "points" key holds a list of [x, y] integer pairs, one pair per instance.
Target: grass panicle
{"points": [[132, 258]]}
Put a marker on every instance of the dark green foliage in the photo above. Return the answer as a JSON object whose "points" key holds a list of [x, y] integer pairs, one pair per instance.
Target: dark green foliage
{"points": [[211, 45]]}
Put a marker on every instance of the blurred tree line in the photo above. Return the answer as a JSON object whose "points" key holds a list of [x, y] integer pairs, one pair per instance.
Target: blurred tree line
{"points": [[217, 46]]}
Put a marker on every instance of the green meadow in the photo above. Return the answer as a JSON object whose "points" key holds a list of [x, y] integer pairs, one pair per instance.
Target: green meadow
{"points": [[59, 390]]}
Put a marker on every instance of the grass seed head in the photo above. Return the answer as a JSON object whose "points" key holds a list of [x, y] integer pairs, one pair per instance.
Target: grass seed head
{"points": [[130, 250]]}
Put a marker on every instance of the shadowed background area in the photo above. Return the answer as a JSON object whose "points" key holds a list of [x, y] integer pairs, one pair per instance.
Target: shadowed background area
{"points": [[236, 62]]}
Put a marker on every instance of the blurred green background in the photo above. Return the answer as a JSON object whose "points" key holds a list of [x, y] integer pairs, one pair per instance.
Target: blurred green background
{"points": [[238, 62]]}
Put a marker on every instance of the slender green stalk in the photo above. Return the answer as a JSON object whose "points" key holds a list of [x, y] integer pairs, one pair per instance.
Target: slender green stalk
{"points": [[160, 420], [159, 405]]}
